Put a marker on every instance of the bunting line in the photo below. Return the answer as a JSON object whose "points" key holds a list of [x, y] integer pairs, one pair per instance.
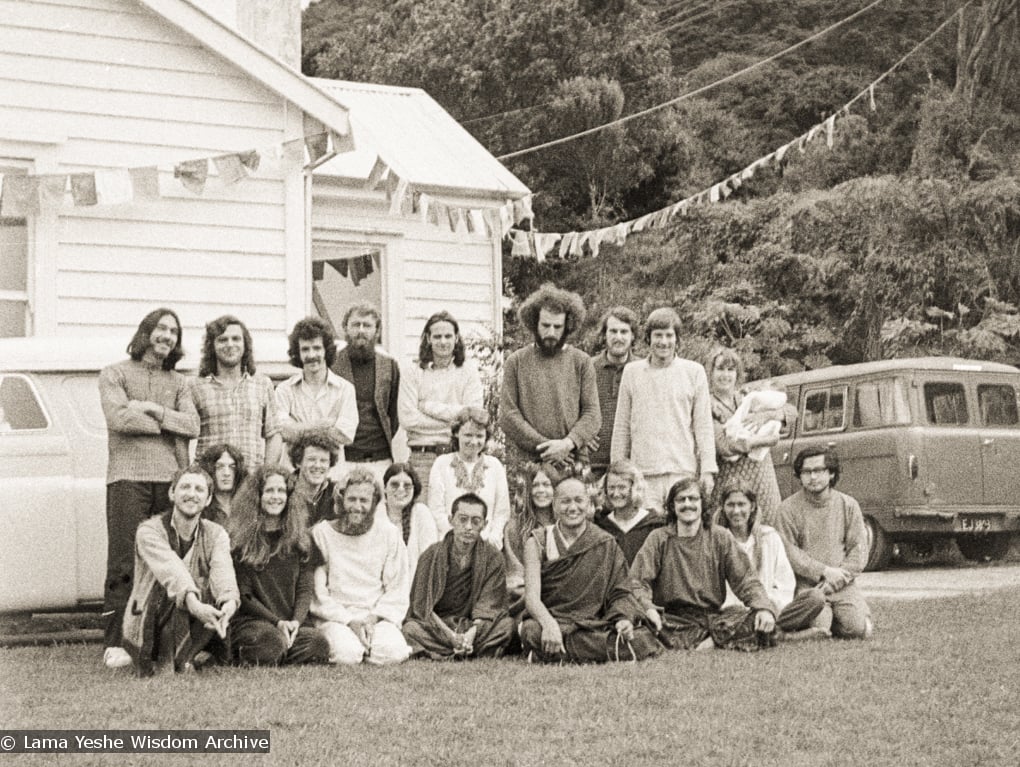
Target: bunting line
{"points": [[572, 243], [24, 195]]}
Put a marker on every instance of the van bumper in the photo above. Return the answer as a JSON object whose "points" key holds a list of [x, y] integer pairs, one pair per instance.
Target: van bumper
{"points": [[949, 520]]}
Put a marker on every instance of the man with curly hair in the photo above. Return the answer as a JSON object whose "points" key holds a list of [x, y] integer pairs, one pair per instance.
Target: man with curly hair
{"points": [[549, 407], [236, 405], [316, 398]]}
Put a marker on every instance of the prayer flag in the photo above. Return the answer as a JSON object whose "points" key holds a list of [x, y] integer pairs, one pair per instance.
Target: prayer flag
{"points": [[113, 187], [713, 193], [376, 174], [317, 145], [192, 174], [521, 248], [871, 96], [230, 168], [522, 209], [250, 160], [145, 182], [343, 142], [52, 190], [830, 127], [398, 195], [83, 189], [567, 244], [477, 222], [506, 219]]}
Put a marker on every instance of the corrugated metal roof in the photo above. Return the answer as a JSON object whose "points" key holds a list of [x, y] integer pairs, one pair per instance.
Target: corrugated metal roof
{"points": [[418, 138]]}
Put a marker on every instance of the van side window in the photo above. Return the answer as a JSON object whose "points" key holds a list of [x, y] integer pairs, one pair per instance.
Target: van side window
{"points": [[19, 408], [880, 403], [824, 410], [946, 403], [998, 405]]}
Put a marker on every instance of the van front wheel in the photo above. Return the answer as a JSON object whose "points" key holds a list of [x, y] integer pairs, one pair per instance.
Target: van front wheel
{"points": [[880, 548], [983, 548]]}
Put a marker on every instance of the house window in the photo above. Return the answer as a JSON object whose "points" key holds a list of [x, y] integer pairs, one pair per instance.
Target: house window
{"points": [[13, 271]]}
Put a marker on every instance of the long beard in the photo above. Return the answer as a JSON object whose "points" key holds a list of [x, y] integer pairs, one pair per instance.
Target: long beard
{"points": [[345, 526], [361, 353]]}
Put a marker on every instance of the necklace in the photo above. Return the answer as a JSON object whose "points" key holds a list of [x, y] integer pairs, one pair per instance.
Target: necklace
{"points": [[472, 482]]}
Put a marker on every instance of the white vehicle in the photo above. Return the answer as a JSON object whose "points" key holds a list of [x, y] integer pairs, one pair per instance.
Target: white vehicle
{"points": [[53, 470]]}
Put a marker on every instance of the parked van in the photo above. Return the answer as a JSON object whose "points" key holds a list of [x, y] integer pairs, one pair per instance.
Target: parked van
{"points": [[53, 469], [930, 448]]}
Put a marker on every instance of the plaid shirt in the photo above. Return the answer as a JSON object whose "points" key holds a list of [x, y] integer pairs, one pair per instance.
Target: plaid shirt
{"points": [[142, 449], [243, 415]]}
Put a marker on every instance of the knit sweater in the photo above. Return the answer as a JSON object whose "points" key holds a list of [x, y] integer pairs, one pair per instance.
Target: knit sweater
{"points": [[664, 419], [820, 535], [143, 449], [547, 398]]}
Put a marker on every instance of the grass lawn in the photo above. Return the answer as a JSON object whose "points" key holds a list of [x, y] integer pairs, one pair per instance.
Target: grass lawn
{"points": [[938, 685]]}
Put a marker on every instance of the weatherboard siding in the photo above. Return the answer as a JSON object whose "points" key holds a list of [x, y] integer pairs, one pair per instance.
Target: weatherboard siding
{"points": [[427, 269], [105, 84]]}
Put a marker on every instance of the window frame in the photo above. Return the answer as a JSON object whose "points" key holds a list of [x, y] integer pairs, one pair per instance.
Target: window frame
{"points": [[39, 401], [828, 389]]}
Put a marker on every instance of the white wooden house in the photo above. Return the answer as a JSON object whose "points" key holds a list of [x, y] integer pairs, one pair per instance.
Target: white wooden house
{"points": [[102, 85]]}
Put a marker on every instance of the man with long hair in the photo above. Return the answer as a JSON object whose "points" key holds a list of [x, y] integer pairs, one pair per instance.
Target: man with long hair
{"points": [[316, 398], [150, 418], [376, 379], [236, 405], [433, 390], [549, 406]]}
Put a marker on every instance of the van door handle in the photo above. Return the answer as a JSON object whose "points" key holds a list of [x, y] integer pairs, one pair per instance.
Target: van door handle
{"points": [[786, 456], [831, 444], [987, 441]]}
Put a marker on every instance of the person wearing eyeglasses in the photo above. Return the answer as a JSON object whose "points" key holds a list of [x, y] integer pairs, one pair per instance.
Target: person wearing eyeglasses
{"points": [[827, 543], [458, 599], [401, 506]]}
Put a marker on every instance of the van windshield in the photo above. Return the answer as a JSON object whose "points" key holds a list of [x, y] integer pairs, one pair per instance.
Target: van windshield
{"points": [[881, 403]]}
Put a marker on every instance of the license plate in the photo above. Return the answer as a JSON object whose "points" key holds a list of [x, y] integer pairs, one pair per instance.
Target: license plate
{"points": [[970, 525]]}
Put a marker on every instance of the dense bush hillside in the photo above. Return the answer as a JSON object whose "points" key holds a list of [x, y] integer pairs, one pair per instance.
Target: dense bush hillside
{"points": [[902, 238]]}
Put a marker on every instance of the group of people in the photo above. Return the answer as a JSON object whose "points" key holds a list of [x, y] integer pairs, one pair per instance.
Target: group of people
{"points": [[645, 513]]}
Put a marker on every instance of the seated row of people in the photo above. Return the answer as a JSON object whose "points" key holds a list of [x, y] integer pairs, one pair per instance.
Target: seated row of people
{"points": [[270, 589]]}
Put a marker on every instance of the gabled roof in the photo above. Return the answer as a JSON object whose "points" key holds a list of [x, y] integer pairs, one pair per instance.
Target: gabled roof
{"points": [[261, 65], [419, 139]]}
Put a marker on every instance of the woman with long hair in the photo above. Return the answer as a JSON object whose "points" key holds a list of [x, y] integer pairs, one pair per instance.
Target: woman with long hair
{"points": [[532, 510], [225, 465], [273, 558], [764, 548], [725, 376], [401, 506], [468, 469]]}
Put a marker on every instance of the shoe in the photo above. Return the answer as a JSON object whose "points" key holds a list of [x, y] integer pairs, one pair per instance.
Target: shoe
{"points": [[202, 659], [116, 657]]}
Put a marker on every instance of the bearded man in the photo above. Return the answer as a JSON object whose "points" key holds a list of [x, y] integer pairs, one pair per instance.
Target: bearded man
{"points": [[362, 588], [376, 379], [549, 408]]}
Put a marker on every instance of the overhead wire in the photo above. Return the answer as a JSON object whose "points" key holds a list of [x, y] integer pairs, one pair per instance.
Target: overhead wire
{"points": [[696, 91]]}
